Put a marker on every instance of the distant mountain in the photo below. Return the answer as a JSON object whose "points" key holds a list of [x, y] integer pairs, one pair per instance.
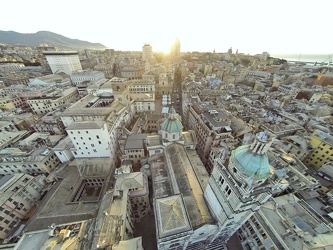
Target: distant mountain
{"points": [[46, 37]]}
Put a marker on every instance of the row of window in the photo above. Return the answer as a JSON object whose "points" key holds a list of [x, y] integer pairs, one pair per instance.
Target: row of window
{"points": [[82, 153], [92, 145], [220, 182], [87, 132]]}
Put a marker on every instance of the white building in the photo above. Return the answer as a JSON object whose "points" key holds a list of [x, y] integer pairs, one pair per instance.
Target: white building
{"points": [[52, 100], [143, 94], [63, 150], [86, 75], [18, 193], [100, 116], [90, 139], [51, 80], [63, 61]]}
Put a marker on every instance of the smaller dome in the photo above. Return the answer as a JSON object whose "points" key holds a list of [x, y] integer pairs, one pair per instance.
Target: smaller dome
{"points": [[172, 124], [251, 164]]}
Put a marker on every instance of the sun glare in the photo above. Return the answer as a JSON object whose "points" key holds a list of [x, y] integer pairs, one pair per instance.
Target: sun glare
{"points": [[161, 45]]}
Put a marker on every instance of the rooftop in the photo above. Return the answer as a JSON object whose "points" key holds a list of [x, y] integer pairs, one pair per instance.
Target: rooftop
{"points": [[57, 53], [57, 206], [189, 179], [65, 236], [172, 217], [154, 140], [288, 212], [135, 141], [86, 125]]}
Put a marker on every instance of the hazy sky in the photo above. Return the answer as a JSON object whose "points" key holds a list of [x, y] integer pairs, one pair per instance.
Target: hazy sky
{"points": [[251, 26]]}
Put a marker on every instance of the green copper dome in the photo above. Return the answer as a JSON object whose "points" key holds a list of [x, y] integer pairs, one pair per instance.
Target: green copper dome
{"points": [[172, 124], [249, 163]]}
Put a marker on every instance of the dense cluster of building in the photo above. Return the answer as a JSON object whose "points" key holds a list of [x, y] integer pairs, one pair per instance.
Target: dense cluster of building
{"points": [[210, 150]]}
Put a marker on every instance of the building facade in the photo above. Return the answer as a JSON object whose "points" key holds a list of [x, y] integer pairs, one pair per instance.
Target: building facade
{"points": [[63, 61], [18, 194], [86, 75], [235, 192], [322, 149], [90, 139], [51, 101], [27, 160], [147, 52]]}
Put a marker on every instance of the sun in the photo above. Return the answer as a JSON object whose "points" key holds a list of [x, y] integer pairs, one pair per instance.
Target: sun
{"points": [[163, 49], [161, 45]]}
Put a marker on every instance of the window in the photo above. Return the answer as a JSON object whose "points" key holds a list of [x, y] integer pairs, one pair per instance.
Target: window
{"points": [[97, 136], [93, 145], [221, 180]]}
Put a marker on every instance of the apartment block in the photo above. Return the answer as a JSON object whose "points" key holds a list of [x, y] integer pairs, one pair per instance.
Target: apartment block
{"points": [[138, 192], [101, 116], [51, 101], [7, 126], [134, 148], [7, 103], [28, 160], [211, 125], [18, 193], [322, 151]]}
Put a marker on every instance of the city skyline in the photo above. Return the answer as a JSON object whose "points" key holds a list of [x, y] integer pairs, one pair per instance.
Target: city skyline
{"points": [[251, 27]]}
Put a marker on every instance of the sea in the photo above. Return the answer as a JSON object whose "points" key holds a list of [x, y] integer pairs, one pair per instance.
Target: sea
{"points": [[310, 58]]}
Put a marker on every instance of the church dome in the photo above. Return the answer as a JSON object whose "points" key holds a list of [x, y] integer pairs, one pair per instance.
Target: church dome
{"points": [[172, 124], [249, 163]]}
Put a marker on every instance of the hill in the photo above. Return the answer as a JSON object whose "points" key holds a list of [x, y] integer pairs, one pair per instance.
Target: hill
{"points": [[46, 37]]}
